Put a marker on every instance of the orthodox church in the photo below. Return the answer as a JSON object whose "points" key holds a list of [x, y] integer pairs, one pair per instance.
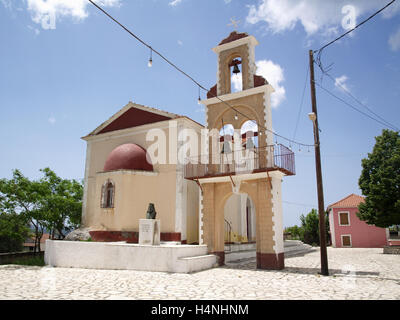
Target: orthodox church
{"points": [[213, 202]]}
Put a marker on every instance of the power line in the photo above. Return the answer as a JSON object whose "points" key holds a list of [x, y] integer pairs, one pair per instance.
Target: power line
{"points": [[362, 104], [319, 51], [300, 204], [351, 106], [191, 78], [301, 104]]}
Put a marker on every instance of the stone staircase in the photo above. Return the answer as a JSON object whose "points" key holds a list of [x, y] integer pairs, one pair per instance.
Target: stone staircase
{"points": [[296, 248], [235, 253]]}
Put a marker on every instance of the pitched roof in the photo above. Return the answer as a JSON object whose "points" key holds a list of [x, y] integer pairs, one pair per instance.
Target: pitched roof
{"points": [[351, 201], [133, 115]]}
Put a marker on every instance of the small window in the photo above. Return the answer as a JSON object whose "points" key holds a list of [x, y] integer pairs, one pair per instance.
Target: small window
{"points": [[346, 240], [344, 219], [107, 194]]}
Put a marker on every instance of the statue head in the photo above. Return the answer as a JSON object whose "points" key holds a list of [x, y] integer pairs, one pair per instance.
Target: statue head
{"points": [[151, 212]]}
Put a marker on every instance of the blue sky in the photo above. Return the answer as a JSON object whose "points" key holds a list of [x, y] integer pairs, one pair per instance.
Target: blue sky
{"points": [[65, 68]]}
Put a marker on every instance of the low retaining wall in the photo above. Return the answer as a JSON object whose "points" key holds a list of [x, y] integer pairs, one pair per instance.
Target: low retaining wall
{"points": [[9, 258], [125, 256], [391, 249]]}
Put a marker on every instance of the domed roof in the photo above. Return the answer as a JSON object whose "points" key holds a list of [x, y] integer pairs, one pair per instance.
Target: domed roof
{"points": [[128, 156]]}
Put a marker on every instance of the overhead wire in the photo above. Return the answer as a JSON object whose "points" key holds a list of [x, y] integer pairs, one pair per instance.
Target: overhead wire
{"points": [[319, 51], [193, 80], [388, 124], [350, 105]]}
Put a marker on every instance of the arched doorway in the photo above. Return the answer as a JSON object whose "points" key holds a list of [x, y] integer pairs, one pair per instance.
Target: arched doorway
{"points": [[239, 222]]}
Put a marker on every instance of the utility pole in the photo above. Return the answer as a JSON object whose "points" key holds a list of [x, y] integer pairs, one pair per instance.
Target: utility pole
{"points": [[320, 191]]}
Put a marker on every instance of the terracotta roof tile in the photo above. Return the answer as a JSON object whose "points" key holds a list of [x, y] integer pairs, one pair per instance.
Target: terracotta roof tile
{"points": [[351, 201], [233, 37]]}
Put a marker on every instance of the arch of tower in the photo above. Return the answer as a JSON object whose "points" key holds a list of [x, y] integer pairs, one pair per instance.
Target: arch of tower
{"points": [[264, 168]]}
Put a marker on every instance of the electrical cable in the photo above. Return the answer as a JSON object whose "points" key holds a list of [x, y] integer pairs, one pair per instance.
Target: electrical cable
{"points": [[362, 104], [351, 106], [191, 78]]}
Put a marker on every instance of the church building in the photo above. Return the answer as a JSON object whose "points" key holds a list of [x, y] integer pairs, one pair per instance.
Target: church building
{"points": [[232, 197]]}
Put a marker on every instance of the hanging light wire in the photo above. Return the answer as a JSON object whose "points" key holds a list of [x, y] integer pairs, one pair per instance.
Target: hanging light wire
{"points": [[191, 78]]}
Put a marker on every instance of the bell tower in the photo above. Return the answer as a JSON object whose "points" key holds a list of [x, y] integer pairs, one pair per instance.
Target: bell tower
{"points": [[236, 50], [259, 173]]}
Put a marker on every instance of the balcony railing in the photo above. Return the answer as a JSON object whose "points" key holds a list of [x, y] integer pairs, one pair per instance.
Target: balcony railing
{"points": [[264, 159]]}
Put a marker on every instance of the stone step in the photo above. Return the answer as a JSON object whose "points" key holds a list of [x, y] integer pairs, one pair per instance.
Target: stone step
{"points": [[197, 263], [298, 252], [298, 247], [239, 255], [239, 247], [291, 243]]}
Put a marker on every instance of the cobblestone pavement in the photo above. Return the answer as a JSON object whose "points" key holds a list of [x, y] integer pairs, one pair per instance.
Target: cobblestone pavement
{"points": [[355, 274]]}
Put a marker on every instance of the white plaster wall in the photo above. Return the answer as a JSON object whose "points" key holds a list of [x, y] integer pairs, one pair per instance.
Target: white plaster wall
{"points": [[122, 256]]}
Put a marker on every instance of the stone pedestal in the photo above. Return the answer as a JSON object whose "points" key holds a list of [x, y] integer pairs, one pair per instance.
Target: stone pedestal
{"points": [[149, 232]]}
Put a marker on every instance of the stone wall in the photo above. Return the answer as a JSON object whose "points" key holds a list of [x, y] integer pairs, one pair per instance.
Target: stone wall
{"points": [[391, 250]]}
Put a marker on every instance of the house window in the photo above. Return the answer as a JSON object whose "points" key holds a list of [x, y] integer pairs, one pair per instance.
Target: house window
{"points": [[346, 240], [344, 219], [107, 194]]}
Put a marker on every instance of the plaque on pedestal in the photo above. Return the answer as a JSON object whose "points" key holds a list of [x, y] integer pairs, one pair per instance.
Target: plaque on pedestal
{"points": [[149, 232]]}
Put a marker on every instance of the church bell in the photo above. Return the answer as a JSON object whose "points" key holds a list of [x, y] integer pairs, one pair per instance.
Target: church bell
{"points": [[236, 69]]}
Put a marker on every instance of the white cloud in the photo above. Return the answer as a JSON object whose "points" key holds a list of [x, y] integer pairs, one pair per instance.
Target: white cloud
{"points": [[237, 82], [274, 74], [394, 40], [35, 30], [314, 15], [52, 120], [340, 83], [174, 3], [180, 42], [47, 12], [6, 3]]}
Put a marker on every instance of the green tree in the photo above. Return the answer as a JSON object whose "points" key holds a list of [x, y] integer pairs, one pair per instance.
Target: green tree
{"points": [[380, 182], [13, 232], [19, 195], [50, 203], [310, 226], [62, 203], [296, 232]]}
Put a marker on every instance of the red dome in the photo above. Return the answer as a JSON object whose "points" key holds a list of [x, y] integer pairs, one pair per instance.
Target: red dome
{"points": [[129, 157]]}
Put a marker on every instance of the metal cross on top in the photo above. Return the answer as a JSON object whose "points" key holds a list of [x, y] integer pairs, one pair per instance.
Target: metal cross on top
{"points": [[234, 23]]}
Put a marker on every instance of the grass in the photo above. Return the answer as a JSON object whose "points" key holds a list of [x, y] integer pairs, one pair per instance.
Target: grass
{"points": [[31, 261]]}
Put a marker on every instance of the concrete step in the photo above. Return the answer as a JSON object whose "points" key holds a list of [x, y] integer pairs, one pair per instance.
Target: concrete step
{"points": [[292, 243], [241, 252], [239, 247], [299, 252], [239, 255], [197, 263]]}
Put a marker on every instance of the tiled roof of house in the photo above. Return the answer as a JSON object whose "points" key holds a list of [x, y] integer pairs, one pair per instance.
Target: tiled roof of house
{"points": [[351, 201]]}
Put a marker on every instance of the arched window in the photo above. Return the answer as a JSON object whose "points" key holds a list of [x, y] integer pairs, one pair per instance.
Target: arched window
{"points": [[236, 75], [226, 138], [107, 194], [249, 134]]}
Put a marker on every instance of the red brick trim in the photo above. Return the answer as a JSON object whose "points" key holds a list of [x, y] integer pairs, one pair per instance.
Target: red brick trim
{"points": [[131, 236], [270, 261], [112, 236]]}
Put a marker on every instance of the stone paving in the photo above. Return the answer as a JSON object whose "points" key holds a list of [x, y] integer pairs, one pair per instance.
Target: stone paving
{"points": [[355, 274]]}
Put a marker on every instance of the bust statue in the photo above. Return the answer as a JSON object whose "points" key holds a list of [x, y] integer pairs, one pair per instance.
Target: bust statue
{"points": [[151, 212]]}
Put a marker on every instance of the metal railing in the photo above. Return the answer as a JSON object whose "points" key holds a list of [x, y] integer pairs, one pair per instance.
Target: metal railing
{"points": [[228, 231], [269, 158]]}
